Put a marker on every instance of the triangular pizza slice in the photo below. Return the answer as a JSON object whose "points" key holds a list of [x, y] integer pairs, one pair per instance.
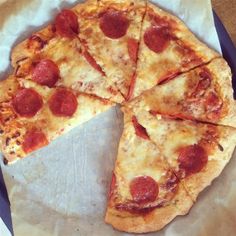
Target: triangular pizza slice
{"points": [[145, 194], [55, 56], [32, 116], [204, 94], [167, 48], [112, 38], [196, 152]]}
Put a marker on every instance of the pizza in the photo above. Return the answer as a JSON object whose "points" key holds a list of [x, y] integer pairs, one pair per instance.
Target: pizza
{"points": [[167, 48], [175, 93], [160, 162], [203, 94], [112, 37], [32, 116], [55, 56], [196, 152], [145, 193]]}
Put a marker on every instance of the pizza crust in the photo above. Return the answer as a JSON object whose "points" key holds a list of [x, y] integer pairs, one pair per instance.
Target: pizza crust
{"points": [[153, 221], [220, 68], [216, 163]]}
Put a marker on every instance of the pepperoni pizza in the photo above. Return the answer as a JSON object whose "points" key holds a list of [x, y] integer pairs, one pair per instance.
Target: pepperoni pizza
{"points": [[162, 166], [34, 115], [203, 94], [145, 193], [170, 85], [167, 48]]}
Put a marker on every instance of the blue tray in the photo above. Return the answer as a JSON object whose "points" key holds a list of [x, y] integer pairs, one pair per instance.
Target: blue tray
{"points": [[229, 53]]}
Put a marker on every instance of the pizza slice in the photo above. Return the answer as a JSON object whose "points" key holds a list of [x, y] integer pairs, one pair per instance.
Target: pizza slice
{"points": [[112, 37], [32, 116], [55, 57], [145, 194], [196, 152], [167, 49], [203, 94]]}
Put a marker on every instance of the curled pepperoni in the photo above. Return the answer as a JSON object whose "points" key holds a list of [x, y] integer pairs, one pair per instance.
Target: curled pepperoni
{"points": [[27, 102], [63, 103], [66, 24], [139, 129], [34, 140], [114, 24], [192, 159], [157, 39], [46, 73], [144, 189], [133, 49]]}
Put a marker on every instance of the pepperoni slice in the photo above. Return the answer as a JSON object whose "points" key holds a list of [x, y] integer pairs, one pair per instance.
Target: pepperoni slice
{"points": [[46, 73], [139, 129], [144, 189], [192, 159], [131, 87], [93, 63], [63, 103], [114, 24], [157, 39], [133, 49], [66, 24], [27, 102], [34, 140]]}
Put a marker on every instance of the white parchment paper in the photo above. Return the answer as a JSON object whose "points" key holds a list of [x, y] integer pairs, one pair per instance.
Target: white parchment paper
{"points": [[61, 190]]}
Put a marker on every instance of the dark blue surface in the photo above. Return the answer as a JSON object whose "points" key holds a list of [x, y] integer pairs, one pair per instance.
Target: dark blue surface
{"points": [[229, 53], [228, 48], [5, 212]]}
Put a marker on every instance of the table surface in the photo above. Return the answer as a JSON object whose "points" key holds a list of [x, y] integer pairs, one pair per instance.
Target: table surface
{"points": [[226, 10]]}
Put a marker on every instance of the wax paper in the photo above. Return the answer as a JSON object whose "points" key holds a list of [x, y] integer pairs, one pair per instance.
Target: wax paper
{"points": [[61, 190]]}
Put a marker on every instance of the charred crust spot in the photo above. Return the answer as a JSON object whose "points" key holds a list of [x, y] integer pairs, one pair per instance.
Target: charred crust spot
{"points": [[18, 142], [8, 141], [7, 119], [5, 161], [221, 148], [17, 71], [1, 131], [12, 153], [21, 60], [16, 135]]}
